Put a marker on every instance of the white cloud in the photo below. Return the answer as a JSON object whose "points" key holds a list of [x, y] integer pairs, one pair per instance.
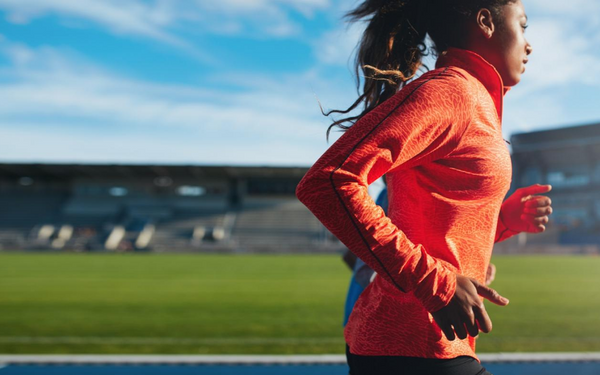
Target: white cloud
{"points": [[307, 7], [537, 111], [336, 47], [565, 42], [26, 143], [560, 56], [130, 17], [584, 13], [252, 17], [133, 17], [158, 19], [564, 67], [53, 93]]}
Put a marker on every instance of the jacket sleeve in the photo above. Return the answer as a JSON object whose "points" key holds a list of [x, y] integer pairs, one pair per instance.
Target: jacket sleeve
{"points": [[420, 124]]}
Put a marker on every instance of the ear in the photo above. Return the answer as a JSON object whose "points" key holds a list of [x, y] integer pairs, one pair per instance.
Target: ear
{"points": [[485, 23]]}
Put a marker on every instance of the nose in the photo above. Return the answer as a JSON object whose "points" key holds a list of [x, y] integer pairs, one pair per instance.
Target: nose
{"points": [[528, 49]]}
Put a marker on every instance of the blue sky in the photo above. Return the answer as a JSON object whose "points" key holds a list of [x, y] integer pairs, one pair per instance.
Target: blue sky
{"points": [[230, 81]]}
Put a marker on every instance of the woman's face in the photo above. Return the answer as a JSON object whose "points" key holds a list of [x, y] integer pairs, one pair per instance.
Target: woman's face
{"points": [[509, 47]]}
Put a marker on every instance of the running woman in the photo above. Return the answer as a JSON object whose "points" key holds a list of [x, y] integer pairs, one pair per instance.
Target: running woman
{"points": [[438, 140]]}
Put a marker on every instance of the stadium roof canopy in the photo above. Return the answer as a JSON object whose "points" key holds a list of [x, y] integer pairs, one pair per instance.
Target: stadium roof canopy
{"points": [[573, 136], [104, 171]]}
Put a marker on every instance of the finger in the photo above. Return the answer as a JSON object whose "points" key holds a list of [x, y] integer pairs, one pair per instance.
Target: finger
{"points": [[472, 329], [471, 325], [534, 189], [459, 328], [490, 294], [483, 319], [449, 333], [535, 224], [535, 220], [447, 329], [538, 229], [535, 228], [532, 201], [538, 211]]}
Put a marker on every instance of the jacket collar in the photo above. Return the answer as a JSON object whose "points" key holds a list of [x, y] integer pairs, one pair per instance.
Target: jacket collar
{"points": [[479, 68]]}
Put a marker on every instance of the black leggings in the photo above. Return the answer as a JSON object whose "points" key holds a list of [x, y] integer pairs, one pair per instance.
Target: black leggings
{"points": [[392, 365]]}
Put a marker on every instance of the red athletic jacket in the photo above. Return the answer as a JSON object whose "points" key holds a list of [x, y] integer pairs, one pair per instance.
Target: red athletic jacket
{"points": [[439, 142]]}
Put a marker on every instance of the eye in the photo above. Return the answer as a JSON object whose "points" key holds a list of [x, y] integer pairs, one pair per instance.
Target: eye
{"points": [[524, 27]]}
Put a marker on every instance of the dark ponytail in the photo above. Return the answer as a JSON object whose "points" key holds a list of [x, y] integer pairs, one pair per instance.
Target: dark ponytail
{"points": [[393, 44]]}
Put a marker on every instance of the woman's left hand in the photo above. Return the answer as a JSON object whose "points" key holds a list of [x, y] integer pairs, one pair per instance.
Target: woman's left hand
{"points": [[524, 211]]}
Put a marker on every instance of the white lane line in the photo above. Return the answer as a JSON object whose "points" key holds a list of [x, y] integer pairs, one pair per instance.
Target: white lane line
{"points": [[272, 359], [539, 357], [83, 340], [168, 340], [174, 359]]}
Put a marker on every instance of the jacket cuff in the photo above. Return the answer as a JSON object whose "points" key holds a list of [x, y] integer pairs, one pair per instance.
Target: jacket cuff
{"points": [[437, 289], [502, 231]]}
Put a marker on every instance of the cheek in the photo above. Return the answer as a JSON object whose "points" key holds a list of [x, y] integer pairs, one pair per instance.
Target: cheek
{"points": [[511, 60], [515, 51]]}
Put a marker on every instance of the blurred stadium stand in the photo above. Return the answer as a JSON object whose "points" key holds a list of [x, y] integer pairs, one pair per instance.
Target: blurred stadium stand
{"points": [[156, 208], [251, 209]]}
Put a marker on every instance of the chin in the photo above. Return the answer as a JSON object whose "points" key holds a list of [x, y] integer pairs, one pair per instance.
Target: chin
{"points": [[512, 81]]}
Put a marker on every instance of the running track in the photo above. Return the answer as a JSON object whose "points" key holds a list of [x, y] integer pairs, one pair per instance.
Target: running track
{"points": [[502, 364]]}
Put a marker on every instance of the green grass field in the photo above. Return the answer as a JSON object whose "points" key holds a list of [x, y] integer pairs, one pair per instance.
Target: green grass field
{"points": [[258, 304]]}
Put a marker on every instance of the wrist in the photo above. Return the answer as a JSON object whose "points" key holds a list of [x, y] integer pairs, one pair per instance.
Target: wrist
{"points": [[505, 227], [503, 231], [443, 295]]}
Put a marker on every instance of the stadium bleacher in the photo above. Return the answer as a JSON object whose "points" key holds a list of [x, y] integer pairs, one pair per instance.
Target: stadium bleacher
{"points": [[187, 229], [274, 223], [155, 208], [24, 212]]}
